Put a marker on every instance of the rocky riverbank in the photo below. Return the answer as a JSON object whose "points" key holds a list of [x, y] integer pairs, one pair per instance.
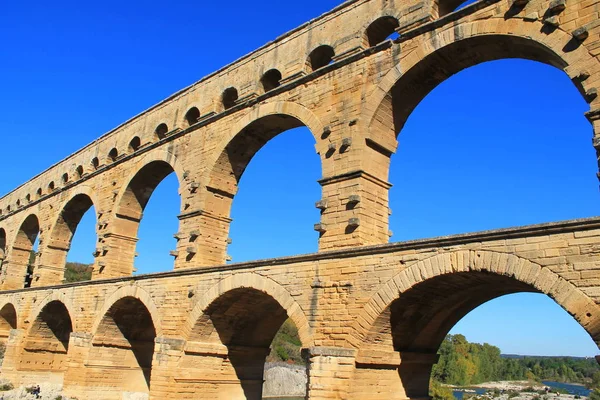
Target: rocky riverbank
{"points": [[513, 390]]}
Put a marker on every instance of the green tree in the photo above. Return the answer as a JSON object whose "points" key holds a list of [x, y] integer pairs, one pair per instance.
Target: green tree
{"points": [[439, 392]]}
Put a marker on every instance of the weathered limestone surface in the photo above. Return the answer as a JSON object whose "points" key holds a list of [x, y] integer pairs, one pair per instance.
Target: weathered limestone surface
{"points": [[371, 315], [365, 315]]}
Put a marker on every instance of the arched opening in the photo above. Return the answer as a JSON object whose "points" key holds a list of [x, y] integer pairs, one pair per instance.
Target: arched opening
{"points": [[95, 163], [8, 321], [239, 328], [273, 194], [413, 327], [271, 80], [158, 224], [161, 131], [380, 30], [445, 7], [320, 57], [23, 255], [135, 144], [79, 171], [113, 154], [468, 141], [46, 345], [230, 96], [51, 187], [2, 246], [192, 116], [39, 193], [28, 198], [123, 348], [62, 243], [65, 178]]}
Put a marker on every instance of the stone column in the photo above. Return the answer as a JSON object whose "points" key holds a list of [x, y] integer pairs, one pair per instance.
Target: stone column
{"points": [[13, 274], [249, 364], [192, 370], [76, 373], [115, 256], [14, 347], [354, 211], [165, 367], [330, 371], [382, 375], [354, 205], [51, 269], [202, 239]]}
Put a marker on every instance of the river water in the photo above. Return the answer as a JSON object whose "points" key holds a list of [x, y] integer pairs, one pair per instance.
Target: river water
{"points": [[571, 388]]}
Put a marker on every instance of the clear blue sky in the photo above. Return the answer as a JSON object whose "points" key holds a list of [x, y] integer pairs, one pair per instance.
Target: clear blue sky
{"points": [[497, 145]]}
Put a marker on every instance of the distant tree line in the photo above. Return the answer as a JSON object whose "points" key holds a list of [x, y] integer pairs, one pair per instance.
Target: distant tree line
{"points": [[74, 271], [464, 363], [77, 272]]}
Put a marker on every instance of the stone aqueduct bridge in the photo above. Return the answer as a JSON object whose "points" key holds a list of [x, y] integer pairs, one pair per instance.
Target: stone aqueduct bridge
{"points": [[371, 315]]}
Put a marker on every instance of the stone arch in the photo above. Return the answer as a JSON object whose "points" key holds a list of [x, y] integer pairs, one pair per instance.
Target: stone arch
{"points": [[161, 130], [191, 116], [285, 115], [20, 263], [2, 245], [46, 344], [261, 284], [122, 350], [62, 231], [320, 57], [229, 97], [64, 299], [8, 320], [478, 42], [527, 275], [270, 80], [410, 314], [160, 155], [130, 203], [377, 30], [234, 153], [234, 323], [135, 292]]}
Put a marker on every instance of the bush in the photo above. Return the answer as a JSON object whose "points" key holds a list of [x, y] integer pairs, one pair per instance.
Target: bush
{"points": [[6, 386], [439, 392]]}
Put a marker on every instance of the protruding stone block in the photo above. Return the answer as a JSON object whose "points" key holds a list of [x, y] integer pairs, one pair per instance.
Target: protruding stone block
{"points": [[354, 222], [581, 34], [354, 199], [552, 21], [191, 250], [321, 204], [591, 94], [346, 143], [557, 6], [320, 228]]}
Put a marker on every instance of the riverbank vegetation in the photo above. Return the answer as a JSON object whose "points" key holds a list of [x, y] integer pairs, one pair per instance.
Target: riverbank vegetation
{"points": [[463, 363]]}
